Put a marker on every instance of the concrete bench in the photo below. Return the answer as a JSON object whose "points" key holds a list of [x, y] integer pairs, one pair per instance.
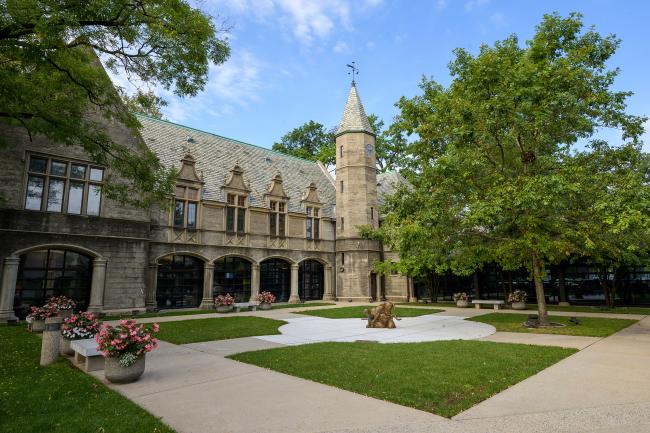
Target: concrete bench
{"points": [[239, 305], [496, 304], [86, 353]]}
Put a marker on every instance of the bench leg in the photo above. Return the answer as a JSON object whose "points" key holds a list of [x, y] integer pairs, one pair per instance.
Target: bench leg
{"points": [[477, 306], [253, 307], [94, 363], [496, 306], [78, 359], [237, 309]]}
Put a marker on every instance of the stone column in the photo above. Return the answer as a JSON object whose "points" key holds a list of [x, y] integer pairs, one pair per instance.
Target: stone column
{"points": [[255, 281], [294, 298], [8, 288], [328, 294], [97, 285], [152, 285], [208, 280]]}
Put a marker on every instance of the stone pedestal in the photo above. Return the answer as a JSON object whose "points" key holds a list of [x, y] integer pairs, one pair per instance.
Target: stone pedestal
{"points": [[51, 340]]}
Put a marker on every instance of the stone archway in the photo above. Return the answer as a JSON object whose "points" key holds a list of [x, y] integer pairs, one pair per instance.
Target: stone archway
{"points": [[179, 281], [311, 280], [233, 275]]}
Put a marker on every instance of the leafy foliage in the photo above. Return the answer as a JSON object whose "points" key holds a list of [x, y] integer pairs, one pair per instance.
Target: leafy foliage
{"points": [[53, 84], [498, 178]]}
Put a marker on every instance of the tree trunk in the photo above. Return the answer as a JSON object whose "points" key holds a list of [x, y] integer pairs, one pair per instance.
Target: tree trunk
{"points": [[539, 290], [562, 281]]}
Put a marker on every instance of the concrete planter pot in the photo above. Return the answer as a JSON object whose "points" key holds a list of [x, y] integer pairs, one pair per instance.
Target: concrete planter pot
{"points": [[64, 347], [264, 306], [223, 308], [116, 373], [518, 305], [462, 303], [64, 313], [38, 325]]}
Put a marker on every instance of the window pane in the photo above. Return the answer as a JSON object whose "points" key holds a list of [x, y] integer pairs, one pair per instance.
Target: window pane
{"points": [[241, 220], [315, 212], [316, 229], [281, 225], [230, 219], [272, 224], [273, 205], [179, 208], [94, 199], [55, 195], [96, 174], [38, 165], [241, 201], [56, 259], [34, 193], [78, 171], [191, 215], [180, 192], [308, 230], [75, 197], [231, 199], [58, 168], [193, 193], [282, 207], [308, 211]]}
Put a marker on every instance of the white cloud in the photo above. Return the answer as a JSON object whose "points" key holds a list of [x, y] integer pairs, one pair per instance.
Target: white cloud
{"points": [[341, 47], [473, 4], [441, 5]]}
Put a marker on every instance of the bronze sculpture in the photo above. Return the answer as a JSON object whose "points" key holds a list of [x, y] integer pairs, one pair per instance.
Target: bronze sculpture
{"points": [[381, 316]]}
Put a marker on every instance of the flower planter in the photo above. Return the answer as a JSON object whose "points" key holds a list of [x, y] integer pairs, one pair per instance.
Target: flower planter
{"points": [[223, 308], [462, 303], [518, 305], [264, 306], [64, 347], [38, 325], [116, 373], [64, 313]]}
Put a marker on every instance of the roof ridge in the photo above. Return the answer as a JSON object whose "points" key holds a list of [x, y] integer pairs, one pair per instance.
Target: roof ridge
{"points": [[225, 138]]}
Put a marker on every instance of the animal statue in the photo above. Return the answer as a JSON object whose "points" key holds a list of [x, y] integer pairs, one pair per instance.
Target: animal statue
{"points": [[380, 316]]}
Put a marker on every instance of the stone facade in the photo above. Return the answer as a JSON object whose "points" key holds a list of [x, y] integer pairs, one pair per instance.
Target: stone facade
{"points": [[125, 245]]}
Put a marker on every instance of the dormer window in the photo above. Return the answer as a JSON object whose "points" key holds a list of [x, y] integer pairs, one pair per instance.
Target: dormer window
{"points": [[277, 218], [186, 202], [312, 223], [236, 213]]}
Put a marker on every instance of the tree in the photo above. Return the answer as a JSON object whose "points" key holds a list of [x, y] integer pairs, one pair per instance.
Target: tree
{"points": [[143, 102], [313, 142], [53, 84], [494, 151]]}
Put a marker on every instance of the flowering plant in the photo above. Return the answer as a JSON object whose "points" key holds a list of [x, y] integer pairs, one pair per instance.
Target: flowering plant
{"points": [[517, 296], [224, 300], [265, 297], [78, 326], [127, 341], [62, 302], [462, 296], [42, 313]]}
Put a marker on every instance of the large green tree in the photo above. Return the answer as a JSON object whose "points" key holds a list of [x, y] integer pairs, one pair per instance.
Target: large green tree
{"points": [[493, 152], [314, 142], [52, 84]]}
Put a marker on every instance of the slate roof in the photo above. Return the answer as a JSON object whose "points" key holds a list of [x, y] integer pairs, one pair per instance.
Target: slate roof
{"points": [[215, 156], [354, 116], [387, 184]]}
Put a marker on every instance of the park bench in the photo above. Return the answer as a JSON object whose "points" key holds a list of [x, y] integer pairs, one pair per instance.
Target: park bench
{"points": [[86, 354], [495, 303], [239, 305]]}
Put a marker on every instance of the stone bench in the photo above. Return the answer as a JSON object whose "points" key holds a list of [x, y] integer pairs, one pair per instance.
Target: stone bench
{"points": [[86, 354], [239, 305], [495, 303]]}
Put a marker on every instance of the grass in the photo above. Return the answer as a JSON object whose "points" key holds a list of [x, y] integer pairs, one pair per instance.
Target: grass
{"points": [[593, 309], [589, 326], [198, 330], [357, 312], [59, 398], [306, 304], [442, 377], [428, 304]]}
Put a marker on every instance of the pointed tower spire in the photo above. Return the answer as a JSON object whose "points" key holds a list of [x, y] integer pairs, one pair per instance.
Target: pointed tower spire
{"points": [[354, 116]]}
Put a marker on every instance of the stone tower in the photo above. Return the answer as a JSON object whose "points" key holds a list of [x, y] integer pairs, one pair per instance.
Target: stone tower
{"points": [[356, 204]]}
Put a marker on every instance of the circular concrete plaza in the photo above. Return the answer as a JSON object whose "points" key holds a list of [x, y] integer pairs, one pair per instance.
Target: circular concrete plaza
{"points": [[419, 329]]}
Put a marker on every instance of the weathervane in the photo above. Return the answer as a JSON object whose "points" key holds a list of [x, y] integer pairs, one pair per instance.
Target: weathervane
{"points": [[353, 70]]}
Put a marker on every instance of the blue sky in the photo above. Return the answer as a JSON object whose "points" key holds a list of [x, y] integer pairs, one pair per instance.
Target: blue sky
{"points": [[288, 56]]}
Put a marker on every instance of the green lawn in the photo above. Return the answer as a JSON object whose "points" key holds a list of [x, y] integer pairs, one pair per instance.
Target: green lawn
{"points": [[357, 312], [305, 305], [59, 398], [442, 377], [590, 309], [589, 326], [197, 330], [429, 304]]}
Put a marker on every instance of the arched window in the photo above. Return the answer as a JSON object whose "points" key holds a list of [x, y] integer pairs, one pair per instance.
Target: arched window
{"points": [[180, 282], [46, 273], [275, 277], [233, 275], [310, 280]]}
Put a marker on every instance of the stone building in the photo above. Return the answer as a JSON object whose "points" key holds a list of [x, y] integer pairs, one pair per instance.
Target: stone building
{"points": [[242, 219]]}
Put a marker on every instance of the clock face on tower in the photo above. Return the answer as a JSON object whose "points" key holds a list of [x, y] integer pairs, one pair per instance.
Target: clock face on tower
{"points": [[369, 149]]}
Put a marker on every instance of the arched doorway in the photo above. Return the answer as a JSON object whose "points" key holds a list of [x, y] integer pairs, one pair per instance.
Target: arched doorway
{"points": [[52, 272], [180, 282], [310, 280], [232, 275], [275, 277]]}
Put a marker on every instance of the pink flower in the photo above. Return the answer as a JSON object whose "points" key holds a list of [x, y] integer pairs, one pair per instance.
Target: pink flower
{"points": [[155, 327]]}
